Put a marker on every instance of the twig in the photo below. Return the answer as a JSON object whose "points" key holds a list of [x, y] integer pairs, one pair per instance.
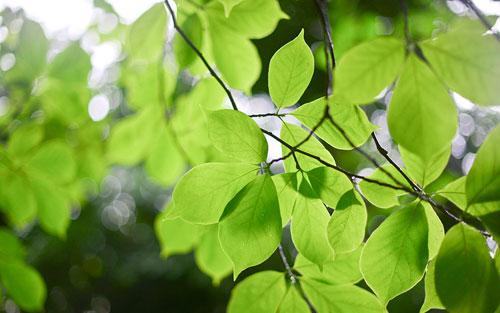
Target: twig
{"points": [[480, 15], [200, 55], [268, 114], [291, 275]]}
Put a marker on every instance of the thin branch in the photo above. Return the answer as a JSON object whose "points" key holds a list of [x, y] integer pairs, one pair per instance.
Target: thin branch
{"points": [[268, 114], [288, 268], [404, 9], [481, 16], [200, 55]]}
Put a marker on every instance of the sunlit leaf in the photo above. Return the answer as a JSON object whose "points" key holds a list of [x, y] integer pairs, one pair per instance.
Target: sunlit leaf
{"points": [[395, 256], [250, 229], [290, 71], [329, 184], [210, 257], [293, 302], [382, 196], [431, 298], [425, 170]]}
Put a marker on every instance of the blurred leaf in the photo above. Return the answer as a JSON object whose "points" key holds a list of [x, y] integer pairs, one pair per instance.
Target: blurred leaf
{"points": [[421, 116], [54, 161], [11, 247], [24, 139], [193, 28], [364, 71], [72, 65]]}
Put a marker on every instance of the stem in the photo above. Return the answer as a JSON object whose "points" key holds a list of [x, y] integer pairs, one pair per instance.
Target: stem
{"points": [[288, 269]]}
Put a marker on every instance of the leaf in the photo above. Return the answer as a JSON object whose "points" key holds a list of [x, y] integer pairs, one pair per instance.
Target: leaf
{"points": [[131, 138], [176, 236], [422, 116], [228, 5], [330, 185], [365, 70], [237, 136], [436, 230], [71, 66], [294, 135], [261, 292], [54, 210], [228, 46], [20, 210], [11, 247], [351, 119], [165, 164], [287, 190], [202, 193], [346, 229], [465, 275], [293, 302], [31, 54], [25, 139], [24, 285], [290, 71], [342, 270], [395, 256], [147, 34], [483, 180], [431, 298], [382, 196], [250, 229], [210, 257], [425, 171], [309, 227], [467, 61], [253, 19], [193, 28], [55, 161], [340, 299]]}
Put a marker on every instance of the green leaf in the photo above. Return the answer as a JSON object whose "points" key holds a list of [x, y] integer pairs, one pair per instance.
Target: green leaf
{"points": [[290, 71], [340, 299], [365, 70], [483, 180], [237, 136], [147, 35], [20, 210], [11, 247], [382, 196], [467, 61], [54, 210], [24, 285], [329, 184], [131, 138], [425, 170], [55, 161], [261, 292], [250, 229], [346, 229], [395, 256], [253, 19], [431, 298], [287, 190], [210, 257], [465, 275], [422, 116], [350, 118], [228, 5], [202, 193], [71, 66], [309, 227], [436, 230], [293, 302], [165, 164], [25, 139], [31, 54], [193, 28], [344, 269], [227, 46], [294, 135], [176, 236]]}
